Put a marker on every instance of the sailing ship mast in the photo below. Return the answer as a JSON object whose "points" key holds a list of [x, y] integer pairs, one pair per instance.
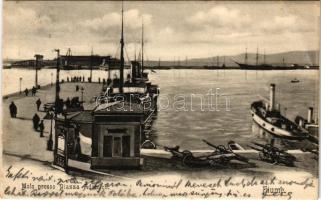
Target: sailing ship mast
{"points": [[91, 64], [245, 59], [122, 51], [217, 61], [135, 52], [257, 56], [142, 47], [224, 61]]}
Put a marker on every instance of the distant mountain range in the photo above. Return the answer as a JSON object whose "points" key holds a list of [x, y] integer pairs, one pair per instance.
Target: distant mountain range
{"points": [[310, 58], [291, 57]]}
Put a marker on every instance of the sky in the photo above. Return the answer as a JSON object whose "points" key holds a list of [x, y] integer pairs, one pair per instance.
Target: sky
{"points": [[172, 30]]}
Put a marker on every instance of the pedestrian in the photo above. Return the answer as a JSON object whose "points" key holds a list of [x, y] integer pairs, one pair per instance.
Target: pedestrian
{"points": [[13, 110], [68, 103], [38, 102], [77, 147], [33, 91], [41, 128], [26, 91], [35, 121]]}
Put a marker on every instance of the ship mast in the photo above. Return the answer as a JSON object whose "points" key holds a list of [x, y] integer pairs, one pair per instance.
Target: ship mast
{"points": [[91, 64], [135, 52], [224, 61], [122, 51], [142, 47], [257, 56], [217, 61], [245, 59]]}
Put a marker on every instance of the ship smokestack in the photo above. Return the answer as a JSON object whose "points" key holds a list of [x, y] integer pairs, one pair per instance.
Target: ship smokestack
{"points": [[272, 96], [310, 114]]}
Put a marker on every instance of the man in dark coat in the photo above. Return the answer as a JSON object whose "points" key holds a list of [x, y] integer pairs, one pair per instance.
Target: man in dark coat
{"points": [[33, 91], [13, 110], [26, 91], [35, 121], [38, 102], [41, 128], [68, 103]]}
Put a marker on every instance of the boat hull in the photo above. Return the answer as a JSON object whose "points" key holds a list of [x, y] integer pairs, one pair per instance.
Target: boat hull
{"points": [[263, 67], [274, 130]]}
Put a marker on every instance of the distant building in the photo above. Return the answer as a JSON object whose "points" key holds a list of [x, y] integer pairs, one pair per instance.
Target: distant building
{"points": [[32, 63], [75, 62]]}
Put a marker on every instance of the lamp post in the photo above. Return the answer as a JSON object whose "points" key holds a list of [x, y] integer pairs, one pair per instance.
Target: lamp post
{"points": [[50, 142], [57, 83], [20, 80], [38, 59], [55, 113]]}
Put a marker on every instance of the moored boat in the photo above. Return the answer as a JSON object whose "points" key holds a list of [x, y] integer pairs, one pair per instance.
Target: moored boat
{"points": [[295, 80], [272, 121]]}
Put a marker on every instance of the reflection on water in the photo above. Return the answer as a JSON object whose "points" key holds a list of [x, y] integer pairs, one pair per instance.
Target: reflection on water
{"points": [[187, 128]]}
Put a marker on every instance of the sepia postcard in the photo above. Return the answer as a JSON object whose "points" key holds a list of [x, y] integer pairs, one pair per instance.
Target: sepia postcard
{"points": [[160, 99]]}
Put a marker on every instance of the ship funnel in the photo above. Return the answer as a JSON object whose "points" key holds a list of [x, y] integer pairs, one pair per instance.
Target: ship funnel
{"points": [[272, 96], [310, 114]]}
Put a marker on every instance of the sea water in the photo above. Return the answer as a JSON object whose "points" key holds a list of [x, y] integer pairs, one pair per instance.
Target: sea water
{"points": [[203, 104]]}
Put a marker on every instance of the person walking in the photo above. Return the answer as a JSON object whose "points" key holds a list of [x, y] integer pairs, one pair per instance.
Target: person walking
{"points": [[26, 91], [38, 102], [41, 128], [35, 121], [13, 110], [33, 91], [68, 103]]}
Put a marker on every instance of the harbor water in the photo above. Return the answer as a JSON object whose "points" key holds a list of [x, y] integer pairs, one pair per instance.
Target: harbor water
{"points": [[186, 113]]}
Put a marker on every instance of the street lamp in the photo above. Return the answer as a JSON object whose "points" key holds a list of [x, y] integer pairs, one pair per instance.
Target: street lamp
{"points": [[20, 80], [50, 141]]}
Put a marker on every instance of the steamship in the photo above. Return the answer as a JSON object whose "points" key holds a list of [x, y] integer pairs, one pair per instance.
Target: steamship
{"points": [[270, 119]]}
